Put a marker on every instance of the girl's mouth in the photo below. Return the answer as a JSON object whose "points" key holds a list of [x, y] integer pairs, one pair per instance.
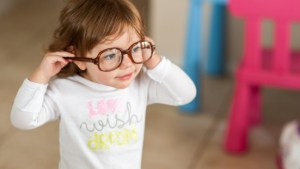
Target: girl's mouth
{"points": [[125, 77]]}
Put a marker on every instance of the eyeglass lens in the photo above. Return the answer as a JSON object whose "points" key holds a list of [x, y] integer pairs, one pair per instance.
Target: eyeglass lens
{"points": [[112, 58]]}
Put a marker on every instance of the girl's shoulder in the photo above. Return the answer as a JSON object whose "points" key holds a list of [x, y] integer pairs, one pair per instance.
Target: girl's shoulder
{"points": [[79, 83], [64, 84]]}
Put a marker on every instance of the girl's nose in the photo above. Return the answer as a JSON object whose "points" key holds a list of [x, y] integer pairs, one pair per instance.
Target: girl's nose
{"points": [[126, 61]]}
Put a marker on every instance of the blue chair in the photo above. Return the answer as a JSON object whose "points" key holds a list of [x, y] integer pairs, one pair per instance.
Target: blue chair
{"points": [[193, 49], [215, 55]]}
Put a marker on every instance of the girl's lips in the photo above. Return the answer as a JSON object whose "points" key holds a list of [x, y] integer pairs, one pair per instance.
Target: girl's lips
{"points": [[125, 77]]}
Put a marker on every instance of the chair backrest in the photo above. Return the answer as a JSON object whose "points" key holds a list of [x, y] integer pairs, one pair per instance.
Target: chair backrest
{"points": [[283, 13], [217, 1], [286, 9]]}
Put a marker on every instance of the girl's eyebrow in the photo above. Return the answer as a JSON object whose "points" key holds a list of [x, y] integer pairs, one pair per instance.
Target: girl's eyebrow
{"points": [[109, 44]]}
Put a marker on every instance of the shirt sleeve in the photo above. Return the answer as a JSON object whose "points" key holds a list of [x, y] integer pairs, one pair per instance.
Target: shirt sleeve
{"points": [[32, 106], [170, 84]]}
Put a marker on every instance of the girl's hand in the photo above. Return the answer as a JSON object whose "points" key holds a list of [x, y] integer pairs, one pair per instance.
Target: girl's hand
{"points": [[155, 59], [51, 64]]}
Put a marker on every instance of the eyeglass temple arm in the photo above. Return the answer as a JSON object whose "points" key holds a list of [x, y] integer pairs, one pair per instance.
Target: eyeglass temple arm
{"points": [[82, 59], [95, 61]]}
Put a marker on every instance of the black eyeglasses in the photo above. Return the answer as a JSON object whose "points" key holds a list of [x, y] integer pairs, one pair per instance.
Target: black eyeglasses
{"points": [[111, 58]]}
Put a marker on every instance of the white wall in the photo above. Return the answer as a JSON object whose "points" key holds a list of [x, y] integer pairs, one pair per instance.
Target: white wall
{"points": [[168, 26], [6, 5]]}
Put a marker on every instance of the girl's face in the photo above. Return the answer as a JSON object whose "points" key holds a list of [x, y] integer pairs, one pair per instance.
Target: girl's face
{"points": [[122, 76]]}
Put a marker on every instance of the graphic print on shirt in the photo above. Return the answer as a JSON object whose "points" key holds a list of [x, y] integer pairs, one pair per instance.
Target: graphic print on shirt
{"points": [[111, 123]]}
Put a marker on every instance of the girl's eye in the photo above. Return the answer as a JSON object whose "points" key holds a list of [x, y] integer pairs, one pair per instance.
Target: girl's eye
{"points": [[109, 56], [136, 49]]}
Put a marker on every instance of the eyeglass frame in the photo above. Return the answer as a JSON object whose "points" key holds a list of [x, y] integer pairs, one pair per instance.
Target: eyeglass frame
{"points": [[123, 52]]}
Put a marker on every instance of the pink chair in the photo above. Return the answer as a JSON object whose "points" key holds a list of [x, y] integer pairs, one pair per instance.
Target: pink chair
{"points": [[278, 66]]}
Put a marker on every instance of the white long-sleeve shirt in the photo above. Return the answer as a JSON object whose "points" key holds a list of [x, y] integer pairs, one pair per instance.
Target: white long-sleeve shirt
{"points": [[101, 127]]}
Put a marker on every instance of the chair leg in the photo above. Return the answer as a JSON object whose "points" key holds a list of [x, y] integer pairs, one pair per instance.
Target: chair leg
{"points": [[236, 140], [215, 58], [193, 56], [255, 105]]}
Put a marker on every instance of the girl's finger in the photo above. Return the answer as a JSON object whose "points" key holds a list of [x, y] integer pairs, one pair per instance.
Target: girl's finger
{"points": [[61, 54]]}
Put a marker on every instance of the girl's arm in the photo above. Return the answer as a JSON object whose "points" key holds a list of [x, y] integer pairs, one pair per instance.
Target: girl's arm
{"points": [[33, 105], [170, 84]]}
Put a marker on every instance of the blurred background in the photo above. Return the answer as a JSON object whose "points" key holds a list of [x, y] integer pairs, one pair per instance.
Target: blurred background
{"points": [[173, 139]]}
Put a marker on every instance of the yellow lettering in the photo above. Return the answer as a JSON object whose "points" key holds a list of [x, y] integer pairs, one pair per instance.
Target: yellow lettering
{"points": [[104, 141], [133, 134], [93, 143]]}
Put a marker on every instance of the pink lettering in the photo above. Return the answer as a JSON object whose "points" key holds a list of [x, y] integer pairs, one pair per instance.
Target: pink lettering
{"points": [[103, 107], [112, 104]]}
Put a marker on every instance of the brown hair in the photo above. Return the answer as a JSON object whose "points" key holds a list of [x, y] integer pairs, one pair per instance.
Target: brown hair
{"points": [[85, 23]]}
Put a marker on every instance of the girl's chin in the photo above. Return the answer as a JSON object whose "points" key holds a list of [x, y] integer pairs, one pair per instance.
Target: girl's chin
{"points": [[120, 86], [123, 85]]}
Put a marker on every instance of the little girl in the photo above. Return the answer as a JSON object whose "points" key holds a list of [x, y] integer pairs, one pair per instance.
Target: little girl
{"points": [[107, 73]]}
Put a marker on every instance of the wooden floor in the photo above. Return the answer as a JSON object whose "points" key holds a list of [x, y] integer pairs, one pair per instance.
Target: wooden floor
{"points": [[173, 139]]}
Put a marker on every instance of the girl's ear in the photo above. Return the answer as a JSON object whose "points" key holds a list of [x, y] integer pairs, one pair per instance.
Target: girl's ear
{"points": [[80, 65], [71, 49]]}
